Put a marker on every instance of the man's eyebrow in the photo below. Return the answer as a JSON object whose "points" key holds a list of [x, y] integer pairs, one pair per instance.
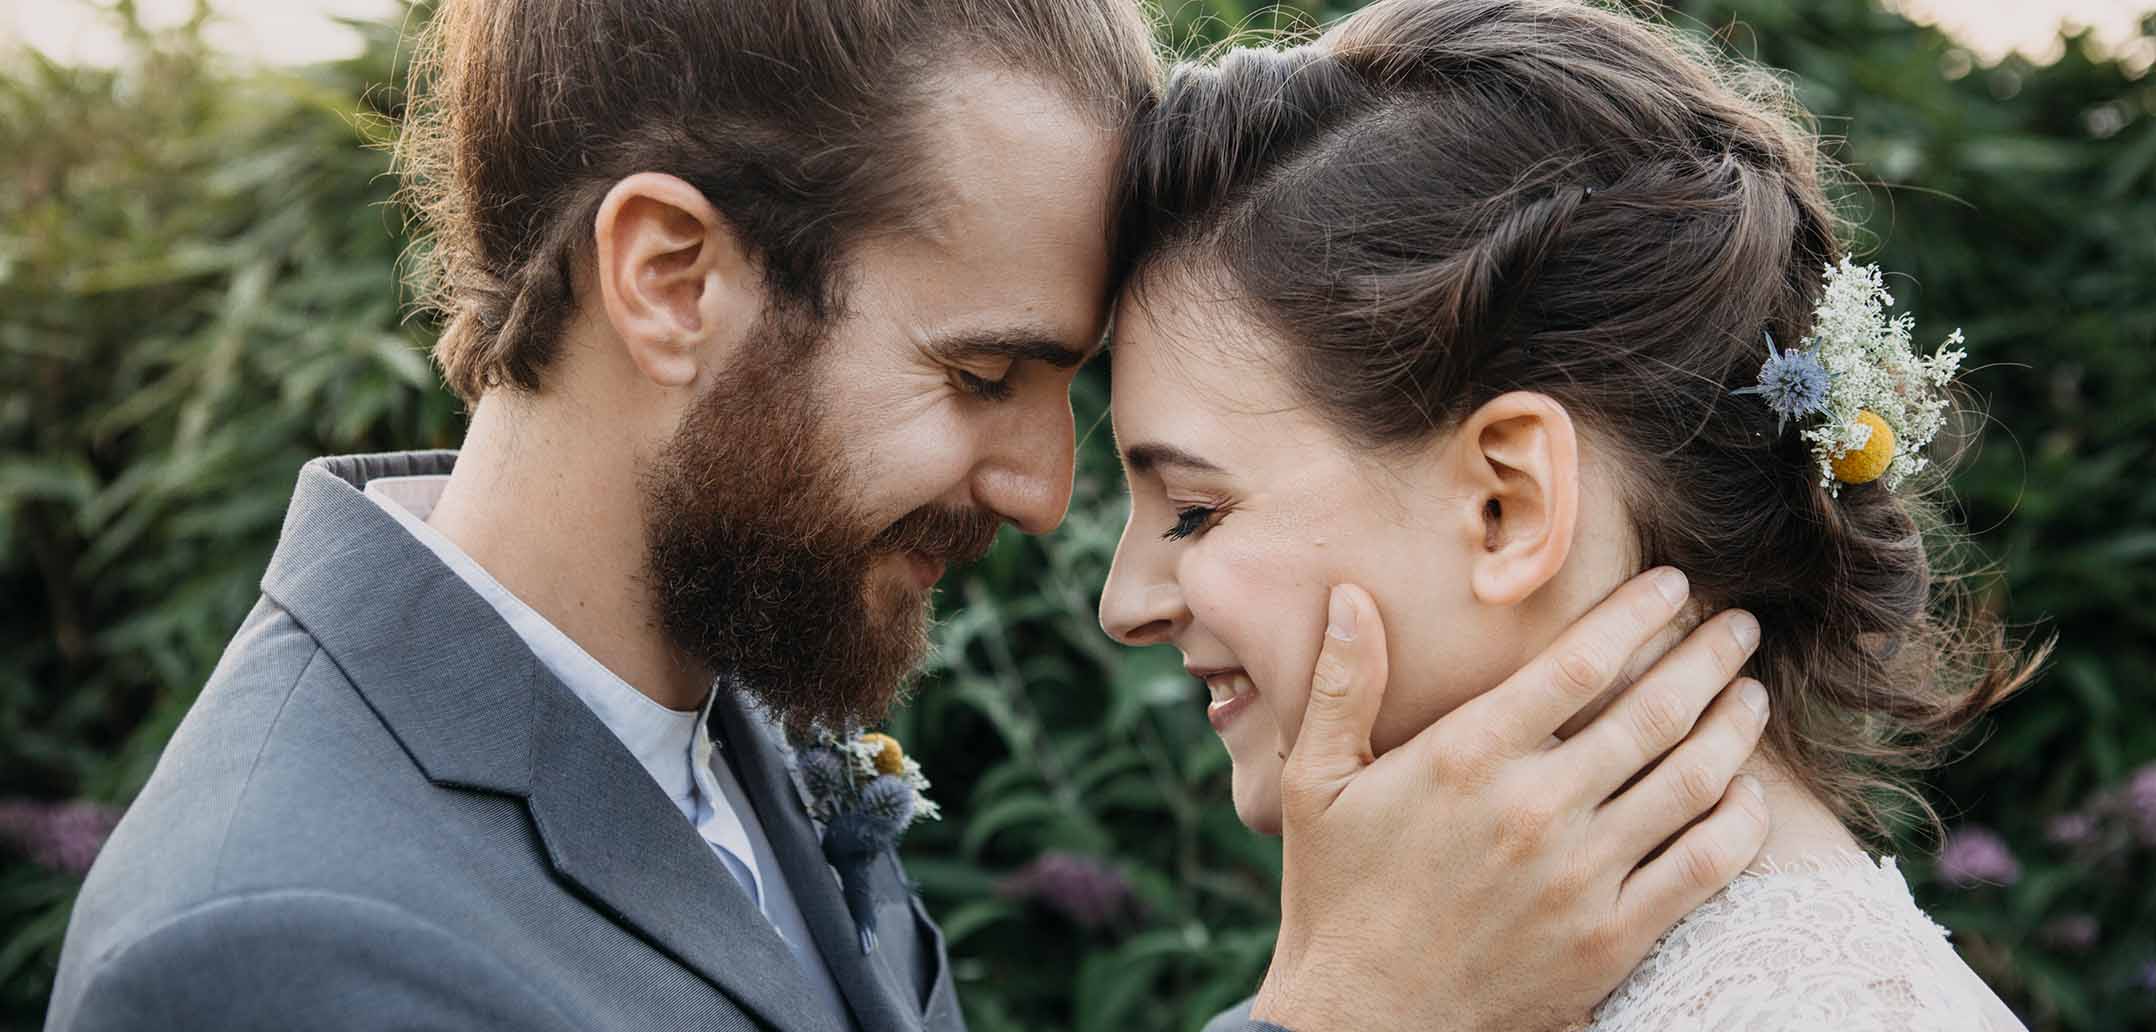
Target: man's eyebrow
{"points": [[1151, 455], [1015, 344]]}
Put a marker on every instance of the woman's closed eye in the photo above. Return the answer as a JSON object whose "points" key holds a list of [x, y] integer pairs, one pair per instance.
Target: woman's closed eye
{"points": [[1192, 520]]}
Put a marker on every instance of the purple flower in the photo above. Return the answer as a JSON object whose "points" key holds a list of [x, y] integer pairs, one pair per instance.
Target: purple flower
{"points": [[2072, 830], [2140, 801], [1975, 855], [1081, 888], [2148, 976], [2075, 933], [62, 836]]}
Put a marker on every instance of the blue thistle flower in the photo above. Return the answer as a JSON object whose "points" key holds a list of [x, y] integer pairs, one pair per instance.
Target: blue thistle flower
{"points": [[888, 799], [823, 773], [1793, 383]]}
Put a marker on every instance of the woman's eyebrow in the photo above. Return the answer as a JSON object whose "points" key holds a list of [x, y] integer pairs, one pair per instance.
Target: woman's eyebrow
{"points": [[1150, 455]]}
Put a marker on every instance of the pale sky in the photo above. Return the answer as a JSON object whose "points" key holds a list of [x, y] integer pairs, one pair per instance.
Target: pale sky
{"points": [[299, 31]]}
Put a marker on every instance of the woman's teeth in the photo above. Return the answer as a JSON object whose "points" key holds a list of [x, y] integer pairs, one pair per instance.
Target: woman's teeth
{"points": [[1224, 687], [1232, 693]]}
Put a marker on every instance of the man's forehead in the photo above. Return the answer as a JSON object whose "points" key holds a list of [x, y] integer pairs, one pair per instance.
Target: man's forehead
{"points": [[1010, 256], [1004, 146]]}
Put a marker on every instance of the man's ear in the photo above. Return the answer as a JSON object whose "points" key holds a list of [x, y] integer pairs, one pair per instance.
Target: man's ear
{"points": [[1518, 457], [674, 279]]}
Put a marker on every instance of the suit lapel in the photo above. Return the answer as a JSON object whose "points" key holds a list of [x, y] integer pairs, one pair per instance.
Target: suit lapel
{"points": [[611, 832], [871, 990], [476, 711]]}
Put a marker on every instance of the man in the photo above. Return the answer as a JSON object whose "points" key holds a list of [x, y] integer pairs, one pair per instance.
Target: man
{"points": [[767, 311]]}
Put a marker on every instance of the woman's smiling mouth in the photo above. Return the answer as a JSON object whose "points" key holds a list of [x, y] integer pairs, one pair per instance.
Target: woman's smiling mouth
{"points": [[1231, 692]]}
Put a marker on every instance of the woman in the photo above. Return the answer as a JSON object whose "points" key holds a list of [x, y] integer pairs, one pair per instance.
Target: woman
{"points": [[1465, 303]]}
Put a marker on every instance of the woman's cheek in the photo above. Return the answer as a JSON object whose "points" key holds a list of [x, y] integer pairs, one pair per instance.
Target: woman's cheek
{"points": [[1270, 612], [1284, 669]]}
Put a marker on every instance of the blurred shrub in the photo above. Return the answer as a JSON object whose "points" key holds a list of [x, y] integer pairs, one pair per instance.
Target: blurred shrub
{"points": [[197, 292]]}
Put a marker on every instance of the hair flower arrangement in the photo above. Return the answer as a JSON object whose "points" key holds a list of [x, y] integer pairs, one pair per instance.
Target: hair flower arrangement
{"points": [[1881, 403], [865, 792]]}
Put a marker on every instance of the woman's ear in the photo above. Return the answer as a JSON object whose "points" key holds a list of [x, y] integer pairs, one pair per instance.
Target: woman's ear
{"points": [[1519, 457], [675, 281]]}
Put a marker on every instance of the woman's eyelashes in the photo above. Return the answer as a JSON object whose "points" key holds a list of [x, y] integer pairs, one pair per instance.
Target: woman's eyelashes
{"points": [[1192, 520]]}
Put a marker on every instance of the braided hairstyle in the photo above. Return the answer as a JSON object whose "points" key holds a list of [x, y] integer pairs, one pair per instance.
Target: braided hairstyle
{"points": [[1441, 201]]}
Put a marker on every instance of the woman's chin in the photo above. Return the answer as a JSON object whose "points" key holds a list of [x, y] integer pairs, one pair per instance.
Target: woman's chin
{"points": [[1258, 807]]}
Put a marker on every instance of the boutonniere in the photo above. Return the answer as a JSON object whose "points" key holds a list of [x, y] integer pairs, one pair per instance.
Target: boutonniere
{"points": [[864, 791]]}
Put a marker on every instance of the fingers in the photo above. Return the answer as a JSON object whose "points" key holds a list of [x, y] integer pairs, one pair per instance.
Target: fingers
{"points": [[1333, 742], [1658, 711], [1690, 780], [1699, 864], [1584, 661]]}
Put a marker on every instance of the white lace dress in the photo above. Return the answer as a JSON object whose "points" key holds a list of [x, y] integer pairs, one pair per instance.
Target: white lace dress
{"points": [[1838, 946]]}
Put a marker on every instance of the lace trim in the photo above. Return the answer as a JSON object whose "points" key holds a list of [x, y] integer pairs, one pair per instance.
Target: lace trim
{"points": [[1834, 942]]}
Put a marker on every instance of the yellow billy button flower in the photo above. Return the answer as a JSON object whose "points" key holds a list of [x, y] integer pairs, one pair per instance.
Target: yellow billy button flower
{"points": [[890, 759], [1862, 465]]}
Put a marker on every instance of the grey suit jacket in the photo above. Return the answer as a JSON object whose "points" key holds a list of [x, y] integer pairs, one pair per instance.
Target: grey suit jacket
{"points": [[383, 812]]}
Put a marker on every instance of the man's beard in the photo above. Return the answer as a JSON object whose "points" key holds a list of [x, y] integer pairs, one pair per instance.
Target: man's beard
{"points": [[759, 561]]}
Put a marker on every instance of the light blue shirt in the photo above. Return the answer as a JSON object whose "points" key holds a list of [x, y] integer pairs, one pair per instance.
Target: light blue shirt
{"points": [[674, 746]]}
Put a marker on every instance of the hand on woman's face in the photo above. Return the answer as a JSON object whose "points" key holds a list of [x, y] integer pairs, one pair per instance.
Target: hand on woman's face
{"points": [[1246, 507]]}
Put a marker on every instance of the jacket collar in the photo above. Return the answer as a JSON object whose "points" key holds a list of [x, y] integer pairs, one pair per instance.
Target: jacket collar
{"points": [[476, 710]]}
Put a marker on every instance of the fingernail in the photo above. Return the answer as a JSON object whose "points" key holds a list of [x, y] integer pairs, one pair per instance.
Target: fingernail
{"points": [[1340, 617], [1744, 627], [1672, 585], [1754, 695], [1751, 784]]}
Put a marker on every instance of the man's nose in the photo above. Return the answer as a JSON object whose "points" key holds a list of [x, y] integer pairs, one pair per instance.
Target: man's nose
{"points": [[1027, 479]]}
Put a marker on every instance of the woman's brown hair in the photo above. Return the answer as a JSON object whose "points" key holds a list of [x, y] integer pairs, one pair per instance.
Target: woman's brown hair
{"points": [[1440, 201]]}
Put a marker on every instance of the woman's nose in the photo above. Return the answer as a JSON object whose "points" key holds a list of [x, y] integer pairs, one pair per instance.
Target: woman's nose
{"points": [[1139, 610]]}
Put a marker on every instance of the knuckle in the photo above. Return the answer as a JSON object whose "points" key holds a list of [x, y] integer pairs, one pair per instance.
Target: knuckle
{"points": [[1330, 679], [1523, 826], [1566, 888], [1579, 671], [1466, 759], [1660, 718], [1452, 767], [1601, 943], [1696, 783], [1723, 746], [1701, 863]]}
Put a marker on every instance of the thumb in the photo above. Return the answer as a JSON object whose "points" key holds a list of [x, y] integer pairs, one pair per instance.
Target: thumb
{"points": [[1345, 689]]}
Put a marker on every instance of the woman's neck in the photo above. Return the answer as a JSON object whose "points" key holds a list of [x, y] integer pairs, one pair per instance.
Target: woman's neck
{"points": [[1802, 829]]}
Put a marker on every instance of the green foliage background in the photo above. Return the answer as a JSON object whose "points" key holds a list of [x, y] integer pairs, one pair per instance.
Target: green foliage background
{"points": [[198, 292]]}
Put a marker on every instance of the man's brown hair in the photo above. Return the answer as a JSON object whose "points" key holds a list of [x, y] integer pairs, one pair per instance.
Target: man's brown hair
{"points": [[802, 121]]}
